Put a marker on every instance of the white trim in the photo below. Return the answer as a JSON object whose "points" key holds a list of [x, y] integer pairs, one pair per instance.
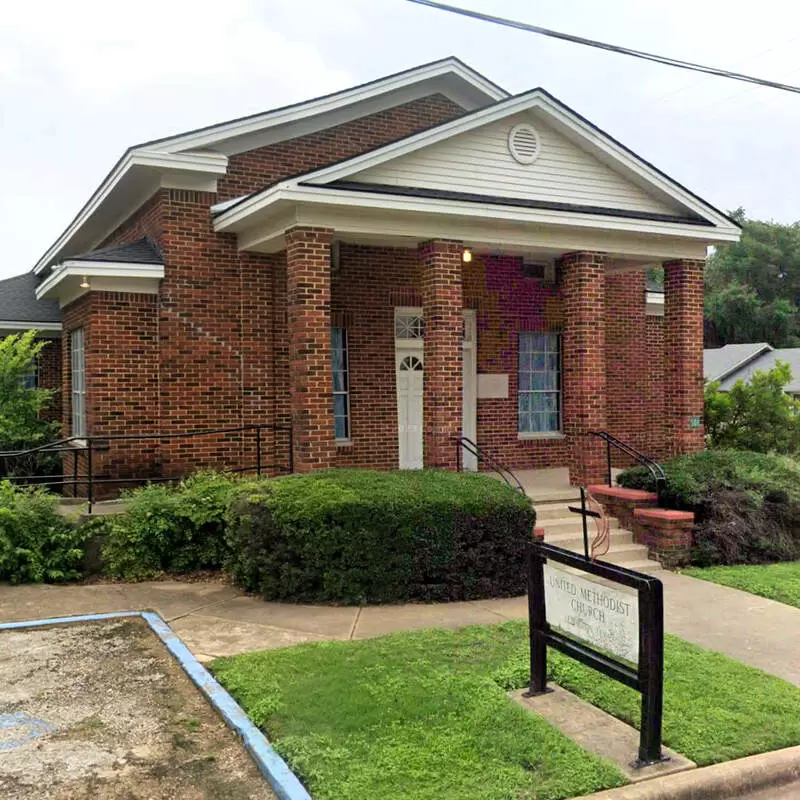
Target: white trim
{"points": [[204, 163], [29, 326], [541, 436], [240, 217], [446, 68], [765, 348], [654, 304], [581, 132], [104, 269]]}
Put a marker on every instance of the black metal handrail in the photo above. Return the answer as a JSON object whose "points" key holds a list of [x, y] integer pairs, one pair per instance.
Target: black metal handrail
{"points": [[92, 444], [654, 468], [465, 443]]}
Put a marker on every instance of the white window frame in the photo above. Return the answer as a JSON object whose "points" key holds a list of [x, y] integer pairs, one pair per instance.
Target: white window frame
{"points": [[77, 355], [559, 411], [342, 392]]}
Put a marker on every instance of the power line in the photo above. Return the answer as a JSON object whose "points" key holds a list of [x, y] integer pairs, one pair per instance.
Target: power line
{"points": [[613, 48]]}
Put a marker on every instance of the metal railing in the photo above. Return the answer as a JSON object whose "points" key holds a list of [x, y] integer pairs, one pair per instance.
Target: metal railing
{"points": [[465, 443], [93, 446], [654, 468]]}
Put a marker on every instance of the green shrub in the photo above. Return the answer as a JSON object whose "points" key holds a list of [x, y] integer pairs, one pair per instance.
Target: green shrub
{"points": [[357, 536], [746, 505], [691, 477], [755, 415], [169, 528], [36, 543]]}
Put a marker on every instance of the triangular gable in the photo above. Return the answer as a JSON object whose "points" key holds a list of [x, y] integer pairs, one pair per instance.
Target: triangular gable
{"points": [[480, 162], [578, 164]]}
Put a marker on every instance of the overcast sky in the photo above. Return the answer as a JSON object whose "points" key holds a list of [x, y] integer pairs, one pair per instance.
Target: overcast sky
{"points": [[82, 80]]}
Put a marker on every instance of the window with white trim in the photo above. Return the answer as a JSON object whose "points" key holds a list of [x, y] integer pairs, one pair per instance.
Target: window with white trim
{"points": [[341, 384], [539, 388], [78, 384]]}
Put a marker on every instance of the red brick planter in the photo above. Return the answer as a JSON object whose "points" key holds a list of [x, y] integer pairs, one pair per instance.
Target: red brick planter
{"points": [[667, 534]]}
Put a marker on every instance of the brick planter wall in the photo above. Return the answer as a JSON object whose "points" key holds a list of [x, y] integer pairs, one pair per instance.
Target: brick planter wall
{"points": [[667, 534]]}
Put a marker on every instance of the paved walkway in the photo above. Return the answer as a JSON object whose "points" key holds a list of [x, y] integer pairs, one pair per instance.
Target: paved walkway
{"points": [[218, 620]]}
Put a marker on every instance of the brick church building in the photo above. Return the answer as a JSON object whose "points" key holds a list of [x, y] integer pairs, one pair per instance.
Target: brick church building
{"points": [[376, 273]]}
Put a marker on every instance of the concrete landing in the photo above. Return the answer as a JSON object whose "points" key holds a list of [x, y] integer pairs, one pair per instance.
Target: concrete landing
{"points": [[599, 733]]}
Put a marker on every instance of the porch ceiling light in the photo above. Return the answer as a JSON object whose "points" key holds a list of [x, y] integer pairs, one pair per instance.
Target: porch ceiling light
{"points": [[466, 255], [85, 282]]}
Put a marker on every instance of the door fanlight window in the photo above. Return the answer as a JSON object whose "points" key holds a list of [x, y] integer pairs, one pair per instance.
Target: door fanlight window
{"points": [[411, 364]]}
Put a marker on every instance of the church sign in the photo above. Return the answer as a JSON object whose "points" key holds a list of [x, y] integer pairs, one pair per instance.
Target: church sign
{"points": [[605, 616]]}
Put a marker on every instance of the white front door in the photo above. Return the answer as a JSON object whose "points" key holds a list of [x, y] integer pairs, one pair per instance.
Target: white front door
{"points": [[409, 408]]}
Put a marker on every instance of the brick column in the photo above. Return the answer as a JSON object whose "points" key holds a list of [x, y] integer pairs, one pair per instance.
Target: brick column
{"points": [[442, 305], [308, 290], [683, 351], [584, 364]]}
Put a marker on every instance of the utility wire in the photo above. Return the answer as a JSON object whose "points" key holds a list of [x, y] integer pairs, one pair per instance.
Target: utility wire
{"points": [[613, 48]]}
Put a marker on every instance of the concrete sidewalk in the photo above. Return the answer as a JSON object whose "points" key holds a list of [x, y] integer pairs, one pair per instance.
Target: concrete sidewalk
{"points": [[218, 620]]}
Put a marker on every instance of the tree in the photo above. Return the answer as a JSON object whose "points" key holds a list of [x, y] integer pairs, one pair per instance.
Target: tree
{"points": [[21, 425], [753, 285], [757, 416]]}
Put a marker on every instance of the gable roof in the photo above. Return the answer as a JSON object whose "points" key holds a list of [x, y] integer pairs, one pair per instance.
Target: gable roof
{"points": [[764, 361], [450, 76], [721, 362], [18, 304], [203, 153], [568, 123]]}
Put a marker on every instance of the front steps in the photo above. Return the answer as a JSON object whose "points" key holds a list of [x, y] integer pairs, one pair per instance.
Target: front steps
{"points": [[564, 528]]}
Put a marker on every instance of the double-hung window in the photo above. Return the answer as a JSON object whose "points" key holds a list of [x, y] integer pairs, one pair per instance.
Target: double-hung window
{"points": [[78, 375], [539, 392], [341, 384]]}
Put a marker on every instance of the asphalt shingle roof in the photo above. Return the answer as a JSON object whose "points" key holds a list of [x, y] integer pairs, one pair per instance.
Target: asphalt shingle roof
{"points": [[18, 301], [719, 362], [764, 363], [142, 251]]}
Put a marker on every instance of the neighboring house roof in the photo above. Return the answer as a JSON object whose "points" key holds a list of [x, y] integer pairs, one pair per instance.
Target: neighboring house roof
{"points": [[19, 308], [719, 363], [142, 251], [195, 159], [764, 362]]}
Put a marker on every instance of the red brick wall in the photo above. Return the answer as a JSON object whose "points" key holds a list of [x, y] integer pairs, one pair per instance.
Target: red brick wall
{"points": [[654, 389], [147, 221], [683, 347], [49, 377], [627, 415], [442, 304], [584, 364], [248, 172], [507, 304]]}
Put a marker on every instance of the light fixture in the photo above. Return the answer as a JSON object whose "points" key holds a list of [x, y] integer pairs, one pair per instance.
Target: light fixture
{"points": [[85, 282], [466, 255]]}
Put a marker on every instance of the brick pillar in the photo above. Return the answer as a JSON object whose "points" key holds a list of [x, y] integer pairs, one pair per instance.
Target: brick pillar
{"points": [[683, 351], [308, 290], [442, 305], [584, 364]]}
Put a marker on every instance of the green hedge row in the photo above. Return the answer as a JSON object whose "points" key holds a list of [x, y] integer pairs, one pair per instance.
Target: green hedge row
{"points": [[356, 536], [346, 536]]}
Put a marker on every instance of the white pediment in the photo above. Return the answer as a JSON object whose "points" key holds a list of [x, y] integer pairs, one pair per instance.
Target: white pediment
{"points": [[481, 162]]}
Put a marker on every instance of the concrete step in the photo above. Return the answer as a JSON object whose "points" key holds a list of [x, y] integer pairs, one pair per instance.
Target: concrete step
{"points": [[572, 522], [617, 554], [552, 511], [573, 540]]}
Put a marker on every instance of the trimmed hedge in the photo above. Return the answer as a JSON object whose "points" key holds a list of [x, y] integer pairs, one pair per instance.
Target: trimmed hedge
{"points": [[746, 505], [358, 536]]}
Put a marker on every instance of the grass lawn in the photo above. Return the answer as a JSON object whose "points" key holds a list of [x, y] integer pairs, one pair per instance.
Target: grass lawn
{"points": [[776, 581], [424, 715]]}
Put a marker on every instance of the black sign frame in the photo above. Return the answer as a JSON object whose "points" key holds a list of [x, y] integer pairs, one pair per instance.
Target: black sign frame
{"points": [[647, 678]]}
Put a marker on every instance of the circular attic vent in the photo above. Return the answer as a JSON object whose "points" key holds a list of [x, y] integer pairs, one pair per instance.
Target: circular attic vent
{"points": [[523, 143]]}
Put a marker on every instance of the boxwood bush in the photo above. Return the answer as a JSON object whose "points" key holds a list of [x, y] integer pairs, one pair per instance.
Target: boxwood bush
{"points": [[37, 544], [358, 536], [746, 505]]}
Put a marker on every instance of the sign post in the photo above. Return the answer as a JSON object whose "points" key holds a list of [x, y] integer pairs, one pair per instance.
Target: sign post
{"points": [[601, 625]]}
